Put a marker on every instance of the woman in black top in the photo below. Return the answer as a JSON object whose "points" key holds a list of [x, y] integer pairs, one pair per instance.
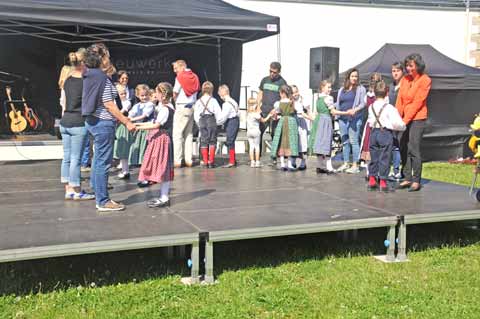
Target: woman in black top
{"points": [[72, 128]]}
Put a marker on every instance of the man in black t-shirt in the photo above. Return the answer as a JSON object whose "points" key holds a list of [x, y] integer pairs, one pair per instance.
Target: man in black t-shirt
{"points": [[267, 96]]}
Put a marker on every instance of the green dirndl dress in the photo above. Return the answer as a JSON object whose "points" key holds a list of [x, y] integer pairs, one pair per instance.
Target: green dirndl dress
{"points": [[320, 140], [123, 141], [285, 141], [138, 147]]}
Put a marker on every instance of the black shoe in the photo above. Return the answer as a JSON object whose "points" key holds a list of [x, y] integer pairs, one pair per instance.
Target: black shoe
{"points": [[321, 171], [330, 172], [415, 189], [142, 184], [284, 169], [372, 188], [123, 176], [302, 168], [211, 165], [384, 189], [404, 185], [157, 203]]}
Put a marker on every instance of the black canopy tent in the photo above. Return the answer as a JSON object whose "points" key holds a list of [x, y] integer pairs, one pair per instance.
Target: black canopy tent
{"points": [[453, 99], [144, 37]]}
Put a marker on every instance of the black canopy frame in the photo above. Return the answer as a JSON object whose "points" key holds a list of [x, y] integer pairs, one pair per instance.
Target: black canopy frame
{"points": [[88, 33]]}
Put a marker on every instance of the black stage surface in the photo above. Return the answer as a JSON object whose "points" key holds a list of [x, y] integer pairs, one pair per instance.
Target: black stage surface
{"points": [[208, 205]]}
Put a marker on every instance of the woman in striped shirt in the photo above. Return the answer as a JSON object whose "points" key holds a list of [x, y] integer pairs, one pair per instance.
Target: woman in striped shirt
{"points": [[98, 104]]}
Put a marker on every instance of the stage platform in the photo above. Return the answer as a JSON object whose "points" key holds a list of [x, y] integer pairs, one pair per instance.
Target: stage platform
{"points": [[208, 206]]}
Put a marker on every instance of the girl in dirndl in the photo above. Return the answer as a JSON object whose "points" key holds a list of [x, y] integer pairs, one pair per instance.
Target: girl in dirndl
{"points": [[285, 141], [143, 111], [320, 142], [123, 138], [157, 166], [302, 127]]}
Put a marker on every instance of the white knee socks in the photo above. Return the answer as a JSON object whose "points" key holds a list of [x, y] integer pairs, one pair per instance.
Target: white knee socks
{"points": [[124, 164], [164, 190]]}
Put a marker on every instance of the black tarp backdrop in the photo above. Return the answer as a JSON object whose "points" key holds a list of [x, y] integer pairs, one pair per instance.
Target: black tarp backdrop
{"points": [[453, 99], [198, 31]]}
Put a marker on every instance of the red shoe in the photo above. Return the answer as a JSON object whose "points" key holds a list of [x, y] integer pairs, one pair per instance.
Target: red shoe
{"points": [[372, 183], [383, 186]]}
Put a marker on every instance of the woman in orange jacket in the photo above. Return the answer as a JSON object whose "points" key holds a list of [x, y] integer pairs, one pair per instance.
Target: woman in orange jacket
{"points": [[412, 106]]}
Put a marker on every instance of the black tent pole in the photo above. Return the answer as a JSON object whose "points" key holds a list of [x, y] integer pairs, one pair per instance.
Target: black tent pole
{"points": [[219, 60]]}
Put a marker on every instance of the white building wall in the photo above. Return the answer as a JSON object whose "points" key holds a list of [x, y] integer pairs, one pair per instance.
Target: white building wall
{"points": [[357, 31]]}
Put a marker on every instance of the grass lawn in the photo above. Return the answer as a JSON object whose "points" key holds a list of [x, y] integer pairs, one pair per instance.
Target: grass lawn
{"points": [[288, 277]]}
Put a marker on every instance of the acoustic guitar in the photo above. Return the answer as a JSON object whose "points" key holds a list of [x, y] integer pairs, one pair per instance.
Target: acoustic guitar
{"points": [[32, 118], [17, 122]]}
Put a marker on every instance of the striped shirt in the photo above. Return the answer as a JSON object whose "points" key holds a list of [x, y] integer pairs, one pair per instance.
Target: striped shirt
{"points": [[109, 94]]}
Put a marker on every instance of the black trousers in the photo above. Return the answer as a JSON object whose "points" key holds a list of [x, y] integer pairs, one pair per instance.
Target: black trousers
{"points": [[381, 144], [410, 149], [263, 127], [208, 130], [231, 128]]}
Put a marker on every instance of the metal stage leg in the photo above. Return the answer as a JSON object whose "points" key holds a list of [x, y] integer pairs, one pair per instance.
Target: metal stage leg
{"points": [[402, 241], [195, 262], [391, 248], [209, 262]]}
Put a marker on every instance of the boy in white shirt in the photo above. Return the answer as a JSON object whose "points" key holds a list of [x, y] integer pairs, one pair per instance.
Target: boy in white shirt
{"points": [[383, 118], [206, 113], [231, 122]]}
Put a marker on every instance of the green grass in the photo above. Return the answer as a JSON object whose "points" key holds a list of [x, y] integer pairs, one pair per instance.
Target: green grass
{"points": [[451, 173], [289, 277]]}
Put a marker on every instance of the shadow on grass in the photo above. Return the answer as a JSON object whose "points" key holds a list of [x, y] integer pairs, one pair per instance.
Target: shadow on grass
{"points": [[21, 278]]}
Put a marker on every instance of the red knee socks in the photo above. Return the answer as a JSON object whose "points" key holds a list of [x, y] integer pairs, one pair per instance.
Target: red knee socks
{"points": [[372, 181], [204, 152], [231, 154], [211, 154]]}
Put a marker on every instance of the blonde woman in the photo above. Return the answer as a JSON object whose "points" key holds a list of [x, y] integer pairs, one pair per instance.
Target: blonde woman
{"points": [[72, 128]]}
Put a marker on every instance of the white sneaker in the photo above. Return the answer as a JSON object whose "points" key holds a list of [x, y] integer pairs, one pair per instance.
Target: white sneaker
{"points": [[342, 168], [258, 164], [252, 164], [352, 170]]}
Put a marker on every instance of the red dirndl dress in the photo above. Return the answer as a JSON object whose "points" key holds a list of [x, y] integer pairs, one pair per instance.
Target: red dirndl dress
{"points": [[365, 151], [157, 165]]}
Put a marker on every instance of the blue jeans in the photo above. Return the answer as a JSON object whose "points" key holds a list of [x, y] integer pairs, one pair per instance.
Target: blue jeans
{"points": [[350, 131], [381, 142], [103, 132], [396, 157], [86, 152], [73, 140]]}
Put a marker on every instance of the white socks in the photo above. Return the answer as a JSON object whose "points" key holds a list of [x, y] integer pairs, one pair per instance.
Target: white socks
{"points": [[282, 161], [329, 164], [124, 165], [164, 190], [290, 164]]}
